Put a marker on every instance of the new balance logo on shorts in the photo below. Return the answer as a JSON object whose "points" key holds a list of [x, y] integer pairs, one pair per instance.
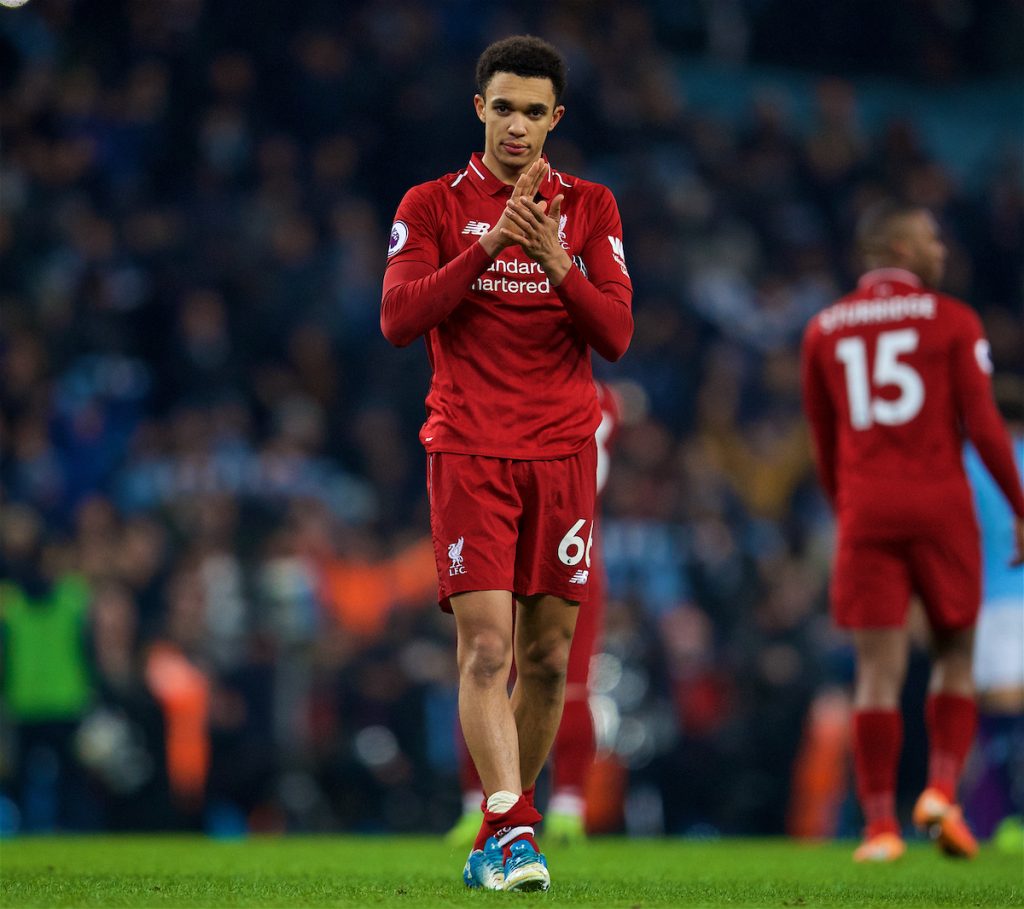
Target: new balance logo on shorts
{"points": [[455, 554], [580, 577], [478, 228]]}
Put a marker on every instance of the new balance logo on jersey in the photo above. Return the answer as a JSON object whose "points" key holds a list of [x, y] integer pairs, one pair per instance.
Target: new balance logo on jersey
{"points": [[580, 577], [455, 554], [619, 253], [477, 228]]}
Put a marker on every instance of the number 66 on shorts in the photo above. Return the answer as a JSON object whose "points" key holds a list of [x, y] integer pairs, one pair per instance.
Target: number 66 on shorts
{"points": [[525, 526], [572, 550]]}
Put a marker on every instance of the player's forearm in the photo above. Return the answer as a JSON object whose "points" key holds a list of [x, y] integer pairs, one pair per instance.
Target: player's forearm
{"points": [[418, 297], [557, 267], [601, 316]]}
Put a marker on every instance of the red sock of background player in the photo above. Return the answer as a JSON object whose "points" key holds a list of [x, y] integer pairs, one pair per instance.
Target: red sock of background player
{"points": [[952, 721], [573, 756], [877, 740]]}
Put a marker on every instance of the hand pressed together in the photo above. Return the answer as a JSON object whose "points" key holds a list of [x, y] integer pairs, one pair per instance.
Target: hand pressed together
{"points": [[531, 225], [497, 238], [536, 231]]}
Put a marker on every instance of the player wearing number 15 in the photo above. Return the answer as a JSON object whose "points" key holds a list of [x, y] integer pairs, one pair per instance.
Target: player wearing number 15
{"points": [[894, 375], [512, 272]]}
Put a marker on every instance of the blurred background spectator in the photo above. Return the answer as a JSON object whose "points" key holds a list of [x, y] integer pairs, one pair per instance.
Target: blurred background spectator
{"points": [[218, 601]]}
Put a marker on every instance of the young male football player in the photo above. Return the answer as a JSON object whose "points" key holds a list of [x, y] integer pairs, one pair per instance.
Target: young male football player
{"points": [[894, 376], [513, 272], [572, 754]]}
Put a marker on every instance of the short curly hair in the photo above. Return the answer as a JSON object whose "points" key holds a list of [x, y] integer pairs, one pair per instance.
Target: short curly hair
{"points": [[522, 55]]}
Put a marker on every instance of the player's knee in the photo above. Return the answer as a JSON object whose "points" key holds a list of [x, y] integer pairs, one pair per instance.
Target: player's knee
{"points": [[953, 670], [546, 660], [485, 657], [879, 683], [954, 647]]}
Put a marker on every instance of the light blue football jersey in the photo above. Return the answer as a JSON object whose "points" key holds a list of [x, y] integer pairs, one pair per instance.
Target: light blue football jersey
{"points": [[1000, 582]]}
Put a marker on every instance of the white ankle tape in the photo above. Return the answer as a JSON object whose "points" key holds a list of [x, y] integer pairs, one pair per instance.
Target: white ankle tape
{"points": [[513, 834], [501, 801]]}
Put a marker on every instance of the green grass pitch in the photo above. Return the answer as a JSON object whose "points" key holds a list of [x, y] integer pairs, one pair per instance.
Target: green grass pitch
{"points": [[419, 872]]}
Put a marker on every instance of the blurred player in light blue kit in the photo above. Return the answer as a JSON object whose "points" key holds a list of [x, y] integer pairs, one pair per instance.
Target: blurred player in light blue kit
{"points": [[995, 803]]}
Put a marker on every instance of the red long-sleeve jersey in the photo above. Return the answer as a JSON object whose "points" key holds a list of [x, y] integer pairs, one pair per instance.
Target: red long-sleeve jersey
{"points": [[894, 377], [510, 353]]}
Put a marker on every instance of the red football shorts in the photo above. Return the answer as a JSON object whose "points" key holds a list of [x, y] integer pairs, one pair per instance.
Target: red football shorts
{"points": [[522, 526], [874, 578]]}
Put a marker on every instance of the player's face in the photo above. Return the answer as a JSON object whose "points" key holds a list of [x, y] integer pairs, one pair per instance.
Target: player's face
{"points": [[518, 112], [924, 250]]}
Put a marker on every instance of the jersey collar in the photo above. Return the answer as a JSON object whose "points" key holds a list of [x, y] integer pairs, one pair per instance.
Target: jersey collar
{"points": [[892, 275], [493, 185]]}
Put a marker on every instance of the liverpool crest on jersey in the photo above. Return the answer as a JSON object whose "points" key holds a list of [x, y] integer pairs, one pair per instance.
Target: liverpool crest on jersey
{"points": [[561, 231]]}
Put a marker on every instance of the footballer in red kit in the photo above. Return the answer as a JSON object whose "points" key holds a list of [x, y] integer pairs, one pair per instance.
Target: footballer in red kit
{"points": [[574, 747], [894, 376], [512, 272]]}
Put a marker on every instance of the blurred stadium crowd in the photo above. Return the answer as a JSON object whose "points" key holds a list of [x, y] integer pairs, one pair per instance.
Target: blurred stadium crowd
{"points": [[211, 484]]}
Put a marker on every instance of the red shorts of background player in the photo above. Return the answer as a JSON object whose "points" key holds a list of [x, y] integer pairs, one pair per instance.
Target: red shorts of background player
{"points": [[501, 524], [874, 578], [589, 628]]}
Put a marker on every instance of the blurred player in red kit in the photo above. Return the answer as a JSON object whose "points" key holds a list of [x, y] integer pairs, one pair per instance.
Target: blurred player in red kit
{"points": [[574, 746], [513, 272], [894, 376]]}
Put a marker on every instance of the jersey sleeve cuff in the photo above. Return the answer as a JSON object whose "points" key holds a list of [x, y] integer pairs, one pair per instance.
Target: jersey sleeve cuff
{"points": [[566, 289]]}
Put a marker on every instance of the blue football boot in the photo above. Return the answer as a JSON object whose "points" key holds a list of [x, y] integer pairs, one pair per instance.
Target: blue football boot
{"points": [[485, 867], [526, 868]]}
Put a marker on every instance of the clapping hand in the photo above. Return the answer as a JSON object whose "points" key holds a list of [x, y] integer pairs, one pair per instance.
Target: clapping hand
{"points": [[500, 236]]}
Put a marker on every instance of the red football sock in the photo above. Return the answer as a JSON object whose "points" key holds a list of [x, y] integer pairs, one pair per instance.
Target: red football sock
{"points": [[486, 828], [513, 825], [573, 753], [482, 834], [877, 740], [528, 793], [952, 720]]}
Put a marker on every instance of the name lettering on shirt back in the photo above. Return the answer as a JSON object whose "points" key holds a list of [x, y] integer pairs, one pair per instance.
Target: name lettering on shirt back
{"points": [[884, 309]]}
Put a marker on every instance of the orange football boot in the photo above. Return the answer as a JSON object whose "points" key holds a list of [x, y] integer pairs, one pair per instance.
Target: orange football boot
{"points": [[882, 847], [944, 822]]}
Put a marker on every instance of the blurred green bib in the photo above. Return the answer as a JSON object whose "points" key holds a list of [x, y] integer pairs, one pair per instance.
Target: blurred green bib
{"points": [[45, 668]]}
